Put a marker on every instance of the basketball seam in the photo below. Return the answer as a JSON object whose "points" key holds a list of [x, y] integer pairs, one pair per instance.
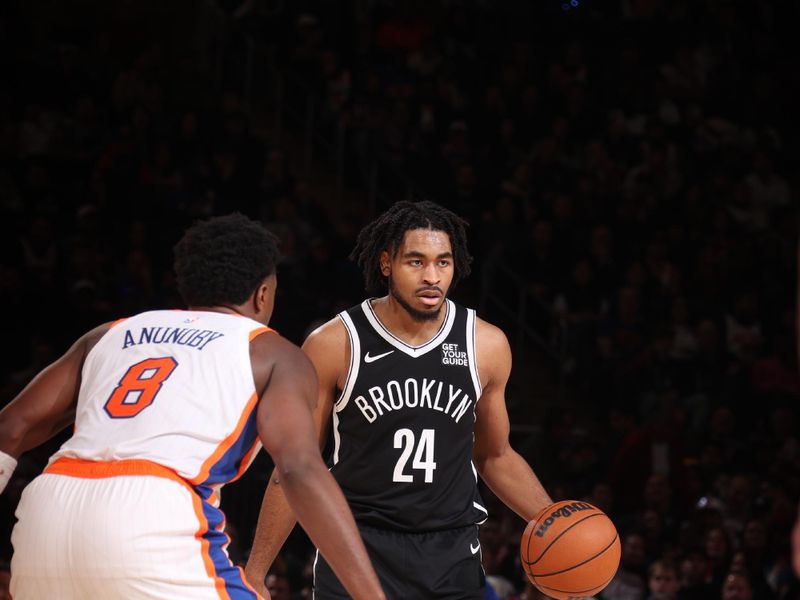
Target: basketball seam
{"points": [[531, 563], [591, 558], [591, 589]]}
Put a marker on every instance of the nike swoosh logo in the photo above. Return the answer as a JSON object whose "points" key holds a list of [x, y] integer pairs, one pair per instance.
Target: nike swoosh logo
{"points": [[369, 359], [475, 549]]}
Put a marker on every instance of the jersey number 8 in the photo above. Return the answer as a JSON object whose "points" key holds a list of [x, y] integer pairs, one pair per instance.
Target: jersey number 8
{"points": [[138, 387]]}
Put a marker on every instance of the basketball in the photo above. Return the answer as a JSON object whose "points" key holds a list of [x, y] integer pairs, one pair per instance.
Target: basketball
{"points": [[570, 550]]}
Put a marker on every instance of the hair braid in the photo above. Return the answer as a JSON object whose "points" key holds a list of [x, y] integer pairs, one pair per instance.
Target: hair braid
{"points": [[387, 230]]}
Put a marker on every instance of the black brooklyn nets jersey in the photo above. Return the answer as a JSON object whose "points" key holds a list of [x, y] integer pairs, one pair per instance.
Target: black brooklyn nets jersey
{"points": [[403, 425]]}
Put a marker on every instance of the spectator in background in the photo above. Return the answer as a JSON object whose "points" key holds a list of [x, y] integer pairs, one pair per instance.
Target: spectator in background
{"points": [[278, 587], [629, 581], [692, 577], [796, 544], [643, 155], [718, 551], [5, 581], [662, 581], [736, 586]]}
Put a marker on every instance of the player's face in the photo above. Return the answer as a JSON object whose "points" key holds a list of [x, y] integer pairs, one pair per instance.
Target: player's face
{"points": [[420, 272]]}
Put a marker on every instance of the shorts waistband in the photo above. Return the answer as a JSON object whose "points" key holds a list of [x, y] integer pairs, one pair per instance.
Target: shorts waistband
{"points": [[386, 531], [93, 469]]}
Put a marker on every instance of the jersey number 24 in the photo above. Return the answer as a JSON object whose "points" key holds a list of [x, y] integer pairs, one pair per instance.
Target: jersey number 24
{"points": [[423, 456]]}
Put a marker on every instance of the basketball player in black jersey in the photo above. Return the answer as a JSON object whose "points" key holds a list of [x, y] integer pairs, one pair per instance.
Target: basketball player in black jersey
{"points": [[415, 388]]}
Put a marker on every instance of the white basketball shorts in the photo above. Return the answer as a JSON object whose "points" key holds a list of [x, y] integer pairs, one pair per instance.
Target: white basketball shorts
{"points": [[125, 529]]}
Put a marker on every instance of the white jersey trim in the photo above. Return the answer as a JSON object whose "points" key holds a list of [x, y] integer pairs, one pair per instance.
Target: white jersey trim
{"points": [[314, 575], [412, 351], [337, 438], [483, 510], [355, 361], [472, 359], [350, 381]]}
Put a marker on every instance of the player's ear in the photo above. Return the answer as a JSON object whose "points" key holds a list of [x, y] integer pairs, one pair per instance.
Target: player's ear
{"points": [[265, 294], [385, 263]]}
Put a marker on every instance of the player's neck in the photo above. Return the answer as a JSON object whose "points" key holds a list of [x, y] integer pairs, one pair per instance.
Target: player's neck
{"points": [[236, 311], [403, 325]]}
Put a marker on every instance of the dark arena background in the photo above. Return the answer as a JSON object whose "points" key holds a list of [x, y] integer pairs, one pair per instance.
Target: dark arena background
{"points": [[628, 169]]}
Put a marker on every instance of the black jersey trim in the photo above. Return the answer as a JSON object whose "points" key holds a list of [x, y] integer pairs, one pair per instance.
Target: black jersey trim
{"points": [[412, 351]]}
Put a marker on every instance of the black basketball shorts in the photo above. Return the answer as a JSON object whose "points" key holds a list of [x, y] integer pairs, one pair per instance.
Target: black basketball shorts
{"points": [[440, 565]]}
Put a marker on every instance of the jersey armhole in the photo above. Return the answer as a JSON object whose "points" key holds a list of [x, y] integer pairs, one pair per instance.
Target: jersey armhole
{"points": [[472, 353], [355, 359], [258, 331], [117, 322]]}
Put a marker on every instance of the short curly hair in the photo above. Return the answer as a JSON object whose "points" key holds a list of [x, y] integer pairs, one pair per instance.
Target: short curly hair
{"points": [[386, 233], [223, 260]]}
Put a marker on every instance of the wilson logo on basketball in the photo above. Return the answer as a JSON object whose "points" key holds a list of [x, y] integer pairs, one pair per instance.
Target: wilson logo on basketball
{"points": [[564, 511]]}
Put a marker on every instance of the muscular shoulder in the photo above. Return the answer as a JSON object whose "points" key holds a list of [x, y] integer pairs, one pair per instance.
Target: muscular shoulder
{"points": [[269, 350], [271, 346], [489, 337], [493, 352], [89, 339], [330, 337], [328, 347]]}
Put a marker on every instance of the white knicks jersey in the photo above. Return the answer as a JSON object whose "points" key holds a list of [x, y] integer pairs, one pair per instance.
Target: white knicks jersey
{"points": [[175, 388]]}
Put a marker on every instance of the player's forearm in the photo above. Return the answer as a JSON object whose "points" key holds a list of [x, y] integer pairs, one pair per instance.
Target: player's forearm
{"points": [[275, 522], [12, 436], [323, 512], [14, 432], [514, 482]]}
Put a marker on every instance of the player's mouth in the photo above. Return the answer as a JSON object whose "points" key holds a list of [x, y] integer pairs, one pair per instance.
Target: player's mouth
{"points": [[430, 297]]}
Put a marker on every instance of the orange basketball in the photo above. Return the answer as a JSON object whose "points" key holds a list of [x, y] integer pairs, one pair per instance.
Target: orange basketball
{"points": [[570, 550]]}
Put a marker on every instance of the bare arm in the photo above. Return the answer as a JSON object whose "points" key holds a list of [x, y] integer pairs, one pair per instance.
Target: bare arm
{"points": [[289, 434], [501, 467], [276, 518], [47, 404]]}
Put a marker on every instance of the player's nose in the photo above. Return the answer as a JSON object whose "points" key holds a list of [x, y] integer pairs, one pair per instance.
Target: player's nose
{"points": [[430, 275]]}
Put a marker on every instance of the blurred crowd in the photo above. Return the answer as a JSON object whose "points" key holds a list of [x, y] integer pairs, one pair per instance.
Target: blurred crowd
{"points": [[632, 163]]}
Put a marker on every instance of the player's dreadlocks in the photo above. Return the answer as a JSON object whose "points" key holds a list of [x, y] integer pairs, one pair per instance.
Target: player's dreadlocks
{"points": [[386, 233], [223, 260]]}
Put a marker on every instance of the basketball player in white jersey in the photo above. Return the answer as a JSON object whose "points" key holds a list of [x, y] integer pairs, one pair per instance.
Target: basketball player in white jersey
{"points": [[168, 406], [414, 387]]}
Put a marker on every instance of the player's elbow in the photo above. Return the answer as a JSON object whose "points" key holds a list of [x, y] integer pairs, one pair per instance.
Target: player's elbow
{"points": [[483, 458], [298, 466], [480, 460]]}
